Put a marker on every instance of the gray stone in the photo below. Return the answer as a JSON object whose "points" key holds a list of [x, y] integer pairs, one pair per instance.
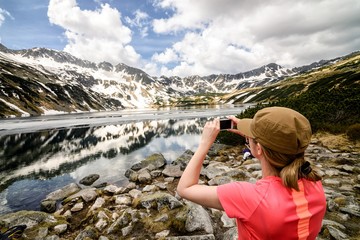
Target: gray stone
{"points": [[134, 193], [162, 234], [157, 160], [77, 207], [337, 234], [131, 175], [198, 219], [126, 230], [144, 176], [101, 224], [150, 188], [215, 169], [61, 228], [29, 218], [42, 232], [87, 233], [194, 237], [231, 234], [172, 171], [184, 159], [48, 206], [227, 222], [63, 192], [123, 200], [99, 202], [52, 237], [90, 179], [159, 200], [87, 194], [219, 180], [123, 220]]}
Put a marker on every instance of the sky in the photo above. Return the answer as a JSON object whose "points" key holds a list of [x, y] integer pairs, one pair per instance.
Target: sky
{"points": [[184, 37]]}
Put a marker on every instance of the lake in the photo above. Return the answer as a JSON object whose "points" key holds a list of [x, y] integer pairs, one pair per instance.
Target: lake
{"points": [[39, 155]]}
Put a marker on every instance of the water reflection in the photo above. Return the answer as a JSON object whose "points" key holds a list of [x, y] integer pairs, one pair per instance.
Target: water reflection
{"points": [[34, 164]]}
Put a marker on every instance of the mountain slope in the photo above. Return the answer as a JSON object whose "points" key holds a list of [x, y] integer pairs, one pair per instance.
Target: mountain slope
{"points": [[328, 96], [42, 81]]}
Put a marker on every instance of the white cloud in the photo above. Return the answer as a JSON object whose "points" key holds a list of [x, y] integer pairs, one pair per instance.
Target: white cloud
{"points": [[165, 57], [3, 15], [97, 35], [232, 36], [140, 21]]}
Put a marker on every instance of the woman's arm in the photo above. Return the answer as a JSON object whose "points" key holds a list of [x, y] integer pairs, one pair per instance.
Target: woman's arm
{"points": [[188, 186]]}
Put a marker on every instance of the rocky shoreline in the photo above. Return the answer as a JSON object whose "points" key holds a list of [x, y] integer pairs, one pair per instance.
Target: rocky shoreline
{"points": [[149, 208]]}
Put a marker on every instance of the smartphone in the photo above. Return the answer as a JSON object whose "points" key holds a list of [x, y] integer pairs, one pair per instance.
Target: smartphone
{"points": [[226, 124]]}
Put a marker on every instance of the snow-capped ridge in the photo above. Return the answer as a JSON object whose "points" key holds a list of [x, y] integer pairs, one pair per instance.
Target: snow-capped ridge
{"points": [[58, 81]]}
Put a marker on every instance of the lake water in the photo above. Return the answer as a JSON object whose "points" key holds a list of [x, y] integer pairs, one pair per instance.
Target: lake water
{"points": [[39, 155]]}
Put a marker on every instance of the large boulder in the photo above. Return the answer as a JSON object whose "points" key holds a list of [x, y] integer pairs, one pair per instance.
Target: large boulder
{"points": [[157, 160]]}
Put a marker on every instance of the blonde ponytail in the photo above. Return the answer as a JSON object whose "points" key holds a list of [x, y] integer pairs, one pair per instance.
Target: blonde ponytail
{"points": [[291, 168]]}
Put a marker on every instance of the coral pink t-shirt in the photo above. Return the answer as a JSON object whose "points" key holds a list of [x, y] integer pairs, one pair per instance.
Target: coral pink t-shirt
{"points": [[269, 210]]}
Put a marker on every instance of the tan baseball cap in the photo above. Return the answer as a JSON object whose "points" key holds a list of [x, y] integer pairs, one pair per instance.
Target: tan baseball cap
{"points": [[278, 128]]}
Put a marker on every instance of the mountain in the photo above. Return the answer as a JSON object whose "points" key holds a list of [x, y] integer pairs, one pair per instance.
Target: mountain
{"points": [[42, 81]]}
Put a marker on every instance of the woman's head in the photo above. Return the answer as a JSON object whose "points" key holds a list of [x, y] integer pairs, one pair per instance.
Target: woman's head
{"points": [[283, 135], [277, 128]]}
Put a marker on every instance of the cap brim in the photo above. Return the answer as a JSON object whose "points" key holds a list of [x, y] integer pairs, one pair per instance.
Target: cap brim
{"points": [[243, 125]]}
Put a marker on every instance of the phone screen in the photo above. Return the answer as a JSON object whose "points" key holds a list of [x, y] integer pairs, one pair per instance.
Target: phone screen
{"points": [[225, 124]]}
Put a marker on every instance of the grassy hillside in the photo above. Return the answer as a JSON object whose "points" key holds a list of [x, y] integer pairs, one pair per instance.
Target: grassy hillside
{"points": [[329, 97]]}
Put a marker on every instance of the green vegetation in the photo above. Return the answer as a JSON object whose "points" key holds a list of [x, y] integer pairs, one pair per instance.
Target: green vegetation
{"points": [[353, 132], [328, 97]]}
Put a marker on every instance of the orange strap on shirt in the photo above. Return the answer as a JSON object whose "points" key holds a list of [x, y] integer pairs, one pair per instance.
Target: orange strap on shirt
{"points": [[302, 211]]}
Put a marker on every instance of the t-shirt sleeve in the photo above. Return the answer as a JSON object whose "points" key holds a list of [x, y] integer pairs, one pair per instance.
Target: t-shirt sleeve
{"points": [[240, 199]]}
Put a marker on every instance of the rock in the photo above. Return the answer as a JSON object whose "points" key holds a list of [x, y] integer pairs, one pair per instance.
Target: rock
{"points": [[153, 206], [227, 222], [219, 180], [193, 237], [198, 219], [63, 192], [90, 179], [87, 194], [162, 234], [159, 200], [215, 169], [150, 188], [101, 185], [157, 160], [231, 234], [101, 224], [48, 206], [172, 171], [336, 233], [126, 230], [42, 232], [77, 207], [87, 233], [61, 228], [144, 176], [123, 200], [131, 175], [29, 218], [216, 148], [52, 237], [134, 193], [99, 202], [120, 223], [184, 159]]}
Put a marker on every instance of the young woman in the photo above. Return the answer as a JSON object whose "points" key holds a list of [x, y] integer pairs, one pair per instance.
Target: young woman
{"points": [[288, 202]]}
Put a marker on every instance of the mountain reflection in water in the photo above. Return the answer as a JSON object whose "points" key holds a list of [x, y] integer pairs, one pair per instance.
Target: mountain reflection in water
{"points": [[33, 164]]}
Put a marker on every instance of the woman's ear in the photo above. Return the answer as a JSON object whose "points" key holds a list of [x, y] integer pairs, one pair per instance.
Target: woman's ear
{"points": [[259, 149]]}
